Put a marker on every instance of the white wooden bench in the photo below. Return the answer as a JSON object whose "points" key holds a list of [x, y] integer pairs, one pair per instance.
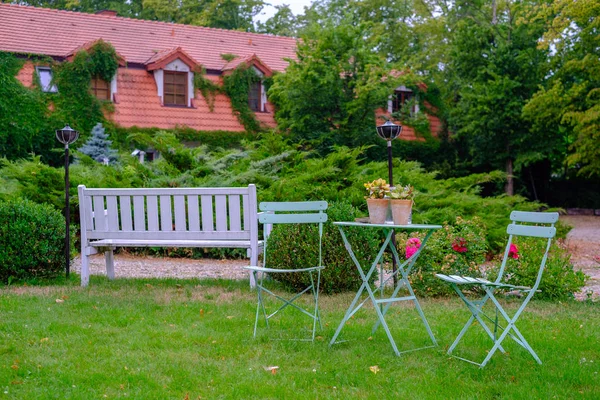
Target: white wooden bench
{"points": [[177, 217]]}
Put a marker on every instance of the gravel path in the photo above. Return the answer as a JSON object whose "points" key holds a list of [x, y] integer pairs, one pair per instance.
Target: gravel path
{"points": [[583, 242]]}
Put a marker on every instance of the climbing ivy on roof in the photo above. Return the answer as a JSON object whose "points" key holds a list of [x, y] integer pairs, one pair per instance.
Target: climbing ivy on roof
{"points": [[237, 86], [207, 88], [74, 102]]}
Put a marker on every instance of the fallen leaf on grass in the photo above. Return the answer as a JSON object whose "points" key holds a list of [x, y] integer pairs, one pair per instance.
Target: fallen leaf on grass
{"points": [[42, 340], [202, 312], [60, 301], [272, 370], [374, 369], [229, 316]]}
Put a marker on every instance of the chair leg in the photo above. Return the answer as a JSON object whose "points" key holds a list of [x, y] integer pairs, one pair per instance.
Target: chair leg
{"points": [[260, 305], [511, 326], [475, 311], [315, 291]]}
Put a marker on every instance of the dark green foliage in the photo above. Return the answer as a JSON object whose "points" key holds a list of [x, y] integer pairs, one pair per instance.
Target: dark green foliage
{"points": [[29, 117], [31, 241], [212, 139], [297, 246], [440, 257], [24, 127], [237, 86], [559, 280], [32, 180]]}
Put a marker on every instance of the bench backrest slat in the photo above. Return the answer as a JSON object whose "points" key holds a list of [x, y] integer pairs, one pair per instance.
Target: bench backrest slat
{"points": [[152, 206], [193, 213], [207, 213], [235, 222], [180, 214], [162, 214], [112, 213], [139, 214], [126, 221], [221, 212], [99, 216]]}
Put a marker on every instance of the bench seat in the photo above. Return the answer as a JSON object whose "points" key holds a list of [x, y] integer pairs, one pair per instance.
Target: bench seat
{"points": [[243, 244]]}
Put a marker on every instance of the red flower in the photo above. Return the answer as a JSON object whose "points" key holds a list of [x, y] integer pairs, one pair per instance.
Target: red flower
{"points": [[412, 246], [513, 251], [460, 245]]}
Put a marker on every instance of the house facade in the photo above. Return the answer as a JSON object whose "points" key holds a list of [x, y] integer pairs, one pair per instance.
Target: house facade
{"points": [[154, 84]]}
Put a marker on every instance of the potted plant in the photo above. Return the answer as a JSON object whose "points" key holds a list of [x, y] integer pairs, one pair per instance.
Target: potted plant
{"points": [[377, 200], [401, 203]]}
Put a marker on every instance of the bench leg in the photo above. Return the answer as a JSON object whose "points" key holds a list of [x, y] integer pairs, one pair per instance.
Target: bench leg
{"points": [[253, 262], [110, 264], [85, 267]]}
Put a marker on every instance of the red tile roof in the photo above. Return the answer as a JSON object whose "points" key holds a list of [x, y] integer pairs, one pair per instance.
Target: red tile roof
{"points": [[248, 60], [140, 106], [30, 30]]}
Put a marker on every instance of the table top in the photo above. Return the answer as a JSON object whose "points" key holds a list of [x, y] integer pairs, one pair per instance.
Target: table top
{"points": [[387, 225]]}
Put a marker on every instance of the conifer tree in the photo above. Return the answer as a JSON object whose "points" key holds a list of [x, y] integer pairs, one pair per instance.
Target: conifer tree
{"points": [[98, 146]]}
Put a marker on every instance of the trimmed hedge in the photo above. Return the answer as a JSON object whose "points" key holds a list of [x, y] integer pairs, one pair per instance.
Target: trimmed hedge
{"points": [[31, 241], [297, 246]]}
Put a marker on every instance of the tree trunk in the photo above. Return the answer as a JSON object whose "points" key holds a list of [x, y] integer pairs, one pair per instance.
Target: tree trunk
{"points": [[510, 183], [494, 12]]}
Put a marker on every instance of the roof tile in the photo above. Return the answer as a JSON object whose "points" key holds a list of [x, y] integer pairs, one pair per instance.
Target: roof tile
{"points": [[26, 29]]}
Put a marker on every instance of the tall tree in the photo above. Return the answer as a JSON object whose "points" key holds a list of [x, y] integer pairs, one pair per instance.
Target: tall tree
{"points": [[569, 103], [225, 14], [282, 23], [331, 91], [497, 67]]}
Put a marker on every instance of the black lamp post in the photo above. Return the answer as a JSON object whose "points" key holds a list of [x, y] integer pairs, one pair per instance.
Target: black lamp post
{"points": [[390, 131], [66, 136]]}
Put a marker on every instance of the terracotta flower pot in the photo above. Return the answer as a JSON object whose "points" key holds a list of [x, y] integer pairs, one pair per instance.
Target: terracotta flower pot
{"points": [[401, 210], [377, 210]]}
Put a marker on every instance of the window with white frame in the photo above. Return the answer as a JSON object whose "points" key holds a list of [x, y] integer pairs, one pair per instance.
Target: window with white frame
{"points": [[45, 78]]}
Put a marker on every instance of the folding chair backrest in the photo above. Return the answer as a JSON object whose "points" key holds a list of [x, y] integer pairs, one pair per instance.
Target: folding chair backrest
{"points": [[521, 226], [293, 212]]}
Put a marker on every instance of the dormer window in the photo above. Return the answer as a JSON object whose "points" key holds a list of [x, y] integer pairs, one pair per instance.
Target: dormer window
{"points": [[175, 88], [401, 97], [45, 77], [100, 88], [255, 96]]}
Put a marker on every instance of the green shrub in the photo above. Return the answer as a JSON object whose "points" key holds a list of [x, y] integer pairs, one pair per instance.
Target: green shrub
{"points": [[297, 246], [559, 280], [31, 240], [457, 249]]}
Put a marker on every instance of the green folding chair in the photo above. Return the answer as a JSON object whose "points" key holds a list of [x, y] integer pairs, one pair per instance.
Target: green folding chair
{"points": [[527, 224], [273, 213]]}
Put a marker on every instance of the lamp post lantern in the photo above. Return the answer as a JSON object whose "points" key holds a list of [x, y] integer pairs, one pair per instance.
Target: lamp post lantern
{"points": [[390, 131], [66, 136]]}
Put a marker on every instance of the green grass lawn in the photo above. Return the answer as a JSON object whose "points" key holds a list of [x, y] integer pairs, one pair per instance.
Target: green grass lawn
{"points": [[167, 339]]}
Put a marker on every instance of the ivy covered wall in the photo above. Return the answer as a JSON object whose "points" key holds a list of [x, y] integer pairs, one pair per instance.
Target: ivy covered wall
{"points": [[29, 116]]}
